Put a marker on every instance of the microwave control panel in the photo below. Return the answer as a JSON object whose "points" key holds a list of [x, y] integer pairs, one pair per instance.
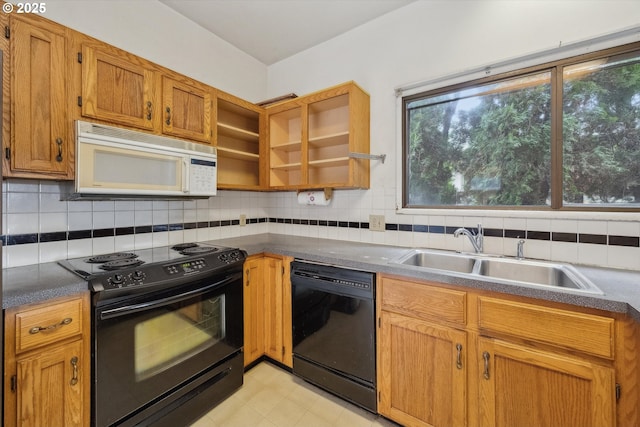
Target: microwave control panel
{"points": [[202, 176]]}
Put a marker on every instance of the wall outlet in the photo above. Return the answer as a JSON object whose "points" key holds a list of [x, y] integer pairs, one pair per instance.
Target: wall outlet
{"points": [[243, 220], [376, 222]]}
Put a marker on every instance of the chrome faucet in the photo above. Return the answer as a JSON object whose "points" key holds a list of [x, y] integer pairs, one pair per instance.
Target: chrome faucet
{"points": [[520, 249], [475, 238]]}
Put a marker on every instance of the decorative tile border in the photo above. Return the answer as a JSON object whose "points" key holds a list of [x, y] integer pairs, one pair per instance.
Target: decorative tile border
{"points": [[596, 239]]}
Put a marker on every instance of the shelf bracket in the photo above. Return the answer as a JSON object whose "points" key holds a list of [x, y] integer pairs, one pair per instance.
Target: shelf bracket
{"points": [[380, 157]]}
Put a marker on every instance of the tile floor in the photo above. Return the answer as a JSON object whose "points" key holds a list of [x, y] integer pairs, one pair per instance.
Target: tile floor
{"points": [[273, 397]]}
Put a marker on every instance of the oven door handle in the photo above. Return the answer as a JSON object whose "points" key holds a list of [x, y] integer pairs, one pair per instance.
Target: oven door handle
{"points": [[134, 308]]}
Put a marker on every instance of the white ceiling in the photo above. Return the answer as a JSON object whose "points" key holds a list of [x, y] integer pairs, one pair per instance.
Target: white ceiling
{"points": [[271, 30]]}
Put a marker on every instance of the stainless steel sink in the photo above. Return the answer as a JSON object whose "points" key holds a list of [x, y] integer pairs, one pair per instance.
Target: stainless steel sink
{"points": [[501, 270], [536, 273], [438, 260]]}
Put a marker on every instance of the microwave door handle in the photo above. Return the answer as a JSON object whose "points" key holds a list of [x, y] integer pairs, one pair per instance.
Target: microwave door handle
{"points": [[185, 177], [135, 308]]}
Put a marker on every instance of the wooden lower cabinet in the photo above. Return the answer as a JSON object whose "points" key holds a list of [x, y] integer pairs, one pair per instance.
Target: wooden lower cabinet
{"points": [[47, 364], [422, 374], [267, 309], [500, 361], [520, 386]]}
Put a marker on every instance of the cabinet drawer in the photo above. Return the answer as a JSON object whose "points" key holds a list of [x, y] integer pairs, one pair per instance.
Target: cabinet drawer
{"points": [[571, 330], [47, 324], [424, 301]]}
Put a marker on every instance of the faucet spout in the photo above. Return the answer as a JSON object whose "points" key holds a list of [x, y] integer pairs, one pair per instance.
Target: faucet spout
{"points": [[476, 239]]}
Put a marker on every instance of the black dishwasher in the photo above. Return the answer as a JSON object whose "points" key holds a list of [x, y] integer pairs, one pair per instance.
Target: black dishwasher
{"points": [[334, 330]]}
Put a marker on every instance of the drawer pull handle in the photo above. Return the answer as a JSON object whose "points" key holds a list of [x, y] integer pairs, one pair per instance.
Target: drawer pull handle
{"points": [[149, 110], [486, 357], [459, 356], [37, 329], [168, 121], [74, 365]]}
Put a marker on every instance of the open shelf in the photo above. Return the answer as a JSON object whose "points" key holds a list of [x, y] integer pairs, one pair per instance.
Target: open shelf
{"points": [[325, 163], [237, 154], [340, 138], [288, 146], [238, 142], [235, 132]]}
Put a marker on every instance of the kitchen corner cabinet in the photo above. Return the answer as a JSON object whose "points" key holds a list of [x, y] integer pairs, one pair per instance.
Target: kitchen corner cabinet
{"points": [[47, 364], [267, 309], [312, 139], [40, 134], [452, 357], [240, 130]]}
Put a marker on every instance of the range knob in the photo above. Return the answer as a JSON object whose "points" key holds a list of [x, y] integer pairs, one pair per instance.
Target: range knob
{"points": [[117, 279], [138, 275]]}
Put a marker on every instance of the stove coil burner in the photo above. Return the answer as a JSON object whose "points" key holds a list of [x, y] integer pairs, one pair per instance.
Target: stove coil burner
{"points": [[183, 246], [196, 250], [117, 256], [121, 263]]}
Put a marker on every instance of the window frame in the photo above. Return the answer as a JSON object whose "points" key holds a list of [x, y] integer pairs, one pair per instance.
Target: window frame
{"points": [[517, 68]]}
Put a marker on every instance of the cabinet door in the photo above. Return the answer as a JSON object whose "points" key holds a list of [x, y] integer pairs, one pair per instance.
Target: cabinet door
{"points": [[186, 109], [50, 387], [277, 311], [421, 372], [523, 387], [253, 310], [40, 140], [118, 88]]}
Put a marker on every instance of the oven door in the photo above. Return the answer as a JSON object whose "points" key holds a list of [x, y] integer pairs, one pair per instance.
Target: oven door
{"points": [[150, 344]]}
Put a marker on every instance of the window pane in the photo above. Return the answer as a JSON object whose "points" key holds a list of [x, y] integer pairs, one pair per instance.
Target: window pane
{"points": [[488, 145], [601, 132]]}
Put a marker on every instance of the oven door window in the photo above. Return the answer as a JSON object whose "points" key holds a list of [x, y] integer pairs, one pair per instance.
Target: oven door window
{"points": [[170, 338]]}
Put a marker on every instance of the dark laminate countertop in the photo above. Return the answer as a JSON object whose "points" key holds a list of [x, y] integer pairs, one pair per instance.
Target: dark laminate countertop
{"points": [[36, 283]]}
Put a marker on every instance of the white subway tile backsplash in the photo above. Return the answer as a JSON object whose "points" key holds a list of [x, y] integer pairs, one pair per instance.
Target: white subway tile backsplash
{"points": [[23, 202], [52, 222], [32, 207], [22, 223]]}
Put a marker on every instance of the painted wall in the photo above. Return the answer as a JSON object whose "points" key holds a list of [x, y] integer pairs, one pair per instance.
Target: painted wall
{"points": [[429, 39], [423, 40]]}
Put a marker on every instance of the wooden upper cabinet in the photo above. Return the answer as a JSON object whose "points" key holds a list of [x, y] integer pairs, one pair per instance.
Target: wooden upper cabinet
{"points": [[40, 132], [239, 138], [318, 140], [187, 109], [119, 88]]}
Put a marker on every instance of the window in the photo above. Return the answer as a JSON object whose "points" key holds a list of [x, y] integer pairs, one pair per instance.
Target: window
{"points": [[559, 135]]}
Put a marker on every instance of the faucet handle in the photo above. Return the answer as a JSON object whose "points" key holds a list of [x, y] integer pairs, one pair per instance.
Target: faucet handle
{"points": [[480, 229]]}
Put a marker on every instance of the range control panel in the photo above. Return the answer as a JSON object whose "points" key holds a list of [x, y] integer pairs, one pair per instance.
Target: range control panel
{"points": [[148, 274]]}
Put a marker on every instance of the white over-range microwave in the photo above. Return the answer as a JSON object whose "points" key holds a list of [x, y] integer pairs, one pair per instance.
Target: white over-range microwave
{"points": [[112, 161]]}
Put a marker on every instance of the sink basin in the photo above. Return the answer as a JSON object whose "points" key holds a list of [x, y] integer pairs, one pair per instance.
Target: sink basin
{"points": [[438, 260], [537, 273], [523, 272]]}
